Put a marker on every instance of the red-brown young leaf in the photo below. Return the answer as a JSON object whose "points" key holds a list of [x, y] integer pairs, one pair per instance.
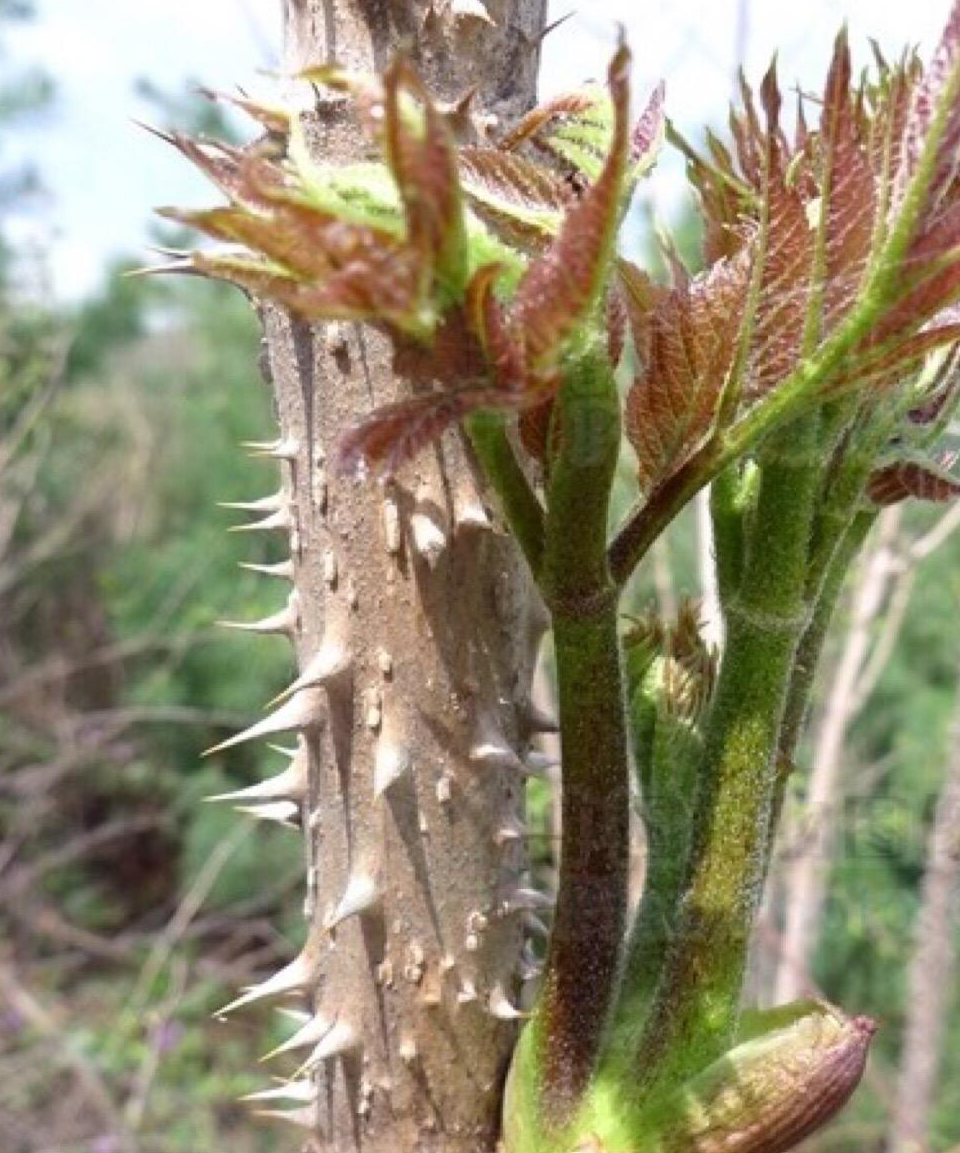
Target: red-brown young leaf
{"points": [[423, 161], [519, 202], [616, 320], [930, 277], [306, 241], [848, 191], [687, 341], [925, 480], [396, 433], [560, 288], [784, 246], [941, 392], [748, 137], [890, 364], [274, 117], [377, 289], [534, 427], [646, 134], [537, 119], [940, 80], [724, 197], [246, 178], [486, 321], [465, 367]]}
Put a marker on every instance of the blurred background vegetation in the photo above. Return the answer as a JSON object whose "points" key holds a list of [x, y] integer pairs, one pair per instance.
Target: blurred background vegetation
{"points": [[129, 909]]}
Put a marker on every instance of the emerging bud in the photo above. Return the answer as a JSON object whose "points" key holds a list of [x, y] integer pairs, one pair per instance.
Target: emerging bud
{"points": [[774, 1089]]}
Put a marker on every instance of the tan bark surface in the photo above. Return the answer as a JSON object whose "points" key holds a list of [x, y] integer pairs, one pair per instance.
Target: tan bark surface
{"points": [[415, 606]]}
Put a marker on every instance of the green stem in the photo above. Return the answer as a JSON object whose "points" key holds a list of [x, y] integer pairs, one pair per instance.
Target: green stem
{"points": [[667, 752], [731, 495], [808, 657], [694, 1013], [811, 643], [593, 875], [522, 509]]}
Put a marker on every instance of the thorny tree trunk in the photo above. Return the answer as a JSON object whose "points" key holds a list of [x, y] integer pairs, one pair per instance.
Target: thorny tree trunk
{"points": [[418, 614], [929, 984]]}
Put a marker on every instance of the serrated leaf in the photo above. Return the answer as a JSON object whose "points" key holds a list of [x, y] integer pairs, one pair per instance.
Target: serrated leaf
{"points": [[783, 247], [486, 320], [422, 157], [560, 109], [520, 202], [848, 193], [934, 100], [925, 479], [273, 117], [686, 337], [890, 364], [648, 133], [561, 287], [380, 288], [246, 178], [306, 242], [395, 433]]}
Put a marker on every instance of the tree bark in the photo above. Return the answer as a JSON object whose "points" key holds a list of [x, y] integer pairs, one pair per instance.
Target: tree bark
{"points": [[417, 611], [929, 980]]}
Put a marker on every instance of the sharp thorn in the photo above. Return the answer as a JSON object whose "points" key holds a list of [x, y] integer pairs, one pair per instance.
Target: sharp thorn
{"points": [[284, 622], [282, 812], [290, 785], [342, 1038], [303, 711], [305, 1118], [270, 503], [429, 540], [537, 720], [305, 1091], [499, 1006], [280, 449], [361, 895], [331, 662], [525, 901], [296, 977], [289, 753], [298, 1016], [391, 762], [283, 569], [276, 522], [312, 1031]]}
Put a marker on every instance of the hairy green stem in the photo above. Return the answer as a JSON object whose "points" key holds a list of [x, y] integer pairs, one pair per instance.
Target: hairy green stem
{"points": [[695, 1010], [808, 657], [524, 513], [592, 893], [730, 496], [667, 752]]}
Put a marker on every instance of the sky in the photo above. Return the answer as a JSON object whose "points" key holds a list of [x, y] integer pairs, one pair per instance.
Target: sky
{"points": [[105, 175]]}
